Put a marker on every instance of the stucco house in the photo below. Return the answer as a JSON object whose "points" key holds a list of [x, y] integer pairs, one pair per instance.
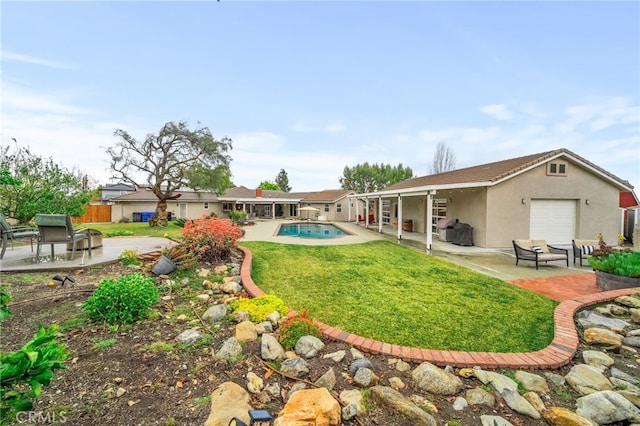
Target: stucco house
{"points": [[554, 195], [258, 203]]}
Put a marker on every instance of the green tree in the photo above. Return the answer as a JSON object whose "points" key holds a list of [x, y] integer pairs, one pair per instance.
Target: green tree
{"points": [[176, 157], [283, 181], [32, 184], [270, 186], [367, 177]]}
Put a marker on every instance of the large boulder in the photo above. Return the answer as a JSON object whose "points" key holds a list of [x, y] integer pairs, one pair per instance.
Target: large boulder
{"points": [[310, 407], [387, 397], [432, 379], [228, 400]]}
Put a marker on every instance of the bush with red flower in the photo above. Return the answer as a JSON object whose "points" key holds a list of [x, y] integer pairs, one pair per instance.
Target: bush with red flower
{"points": [[210, 238]]}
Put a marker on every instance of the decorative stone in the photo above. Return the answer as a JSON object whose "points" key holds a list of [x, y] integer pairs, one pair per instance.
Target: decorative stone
{"points": [[597, 359], [335, 356], [230, 349], [274, 318], [365, 377], [629, 301], [402, 366], [227, 401], [493, 421], [353, 397], [586, 380], [606, 407], [356, 354], [310, 407], [358, 364], [215, 313], [535, 401], [189, 337], [327, 380], [271, 349], [558, 416], [479, 396], [430, 378], [532, 382], [466, 372], [603, 337], [231, 287], [460, 403], [387, 397], [308, 346], [296, 367], [255, 384], [396, 383], [246, 332]]}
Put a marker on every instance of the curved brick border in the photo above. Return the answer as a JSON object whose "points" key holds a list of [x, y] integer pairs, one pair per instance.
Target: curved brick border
{"points": [[559, 353]]}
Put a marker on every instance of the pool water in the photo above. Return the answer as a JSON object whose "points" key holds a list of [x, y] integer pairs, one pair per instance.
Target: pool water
{"points": [[321, 231]]}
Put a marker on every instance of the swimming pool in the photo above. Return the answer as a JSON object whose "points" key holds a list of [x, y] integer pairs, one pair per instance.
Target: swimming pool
{"points": [[323, 231]]}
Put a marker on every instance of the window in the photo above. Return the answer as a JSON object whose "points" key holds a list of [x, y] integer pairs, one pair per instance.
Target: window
{"points": [[339, 207], [326, 208], [557, 168], [227, 206], [206, 206]]}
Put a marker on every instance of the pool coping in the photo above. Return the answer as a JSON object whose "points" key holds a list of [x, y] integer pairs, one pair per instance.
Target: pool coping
{"points": [[303, 222], [559, 353]]}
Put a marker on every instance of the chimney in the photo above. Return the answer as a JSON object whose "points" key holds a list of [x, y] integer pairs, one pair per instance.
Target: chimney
{"points": [[258, 192]]}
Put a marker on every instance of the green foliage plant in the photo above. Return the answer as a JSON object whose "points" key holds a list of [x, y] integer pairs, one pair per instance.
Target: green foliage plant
{"points": [[622, 262], [269, 186], [130, 257], [260, 307], [122, 301], [210, 238], [5, 298], [293, 328], [282, 180], [104, 344], [237, 216], [39, 186], [25, 371]]}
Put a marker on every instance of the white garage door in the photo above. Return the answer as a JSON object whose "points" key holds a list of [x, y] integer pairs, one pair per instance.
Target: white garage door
{"points": [[553, 221]]}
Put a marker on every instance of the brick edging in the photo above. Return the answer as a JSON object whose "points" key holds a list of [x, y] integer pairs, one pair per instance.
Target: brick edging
{"points": [[559, 353]]}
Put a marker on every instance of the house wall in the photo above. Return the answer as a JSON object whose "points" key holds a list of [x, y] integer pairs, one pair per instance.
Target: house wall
{"points": [[194, 209], [468, 206], [508, 218], [333, 215]]}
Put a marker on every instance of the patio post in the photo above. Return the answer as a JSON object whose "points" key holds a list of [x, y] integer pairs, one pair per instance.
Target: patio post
{"points": [[366, 212], [429, 231], [380, 214], [399, 216]]}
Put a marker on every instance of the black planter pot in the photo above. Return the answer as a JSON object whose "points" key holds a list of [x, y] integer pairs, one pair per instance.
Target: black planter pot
{"points": [[606, 281], [164, 266]]}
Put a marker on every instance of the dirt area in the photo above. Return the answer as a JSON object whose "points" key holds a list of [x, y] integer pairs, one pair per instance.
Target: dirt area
{"points": [[166, 383]]}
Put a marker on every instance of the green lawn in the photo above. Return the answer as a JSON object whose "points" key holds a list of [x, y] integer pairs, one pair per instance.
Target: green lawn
{"points": [[134, 228], [388, 292]]}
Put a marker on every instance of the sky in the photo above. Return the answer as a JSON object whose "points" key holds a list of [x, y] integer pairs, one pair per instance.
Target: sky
{"points": [[313, 87]]}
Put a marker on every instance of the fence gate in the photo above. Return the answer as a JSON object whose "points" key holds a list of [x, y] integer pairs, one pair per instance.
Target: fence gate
{"points": [[95, 214]]}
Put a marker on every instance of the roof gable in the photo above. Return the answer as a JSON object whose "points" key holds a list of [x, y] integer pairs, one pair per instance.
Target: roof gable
{"points": [[328, 195]]}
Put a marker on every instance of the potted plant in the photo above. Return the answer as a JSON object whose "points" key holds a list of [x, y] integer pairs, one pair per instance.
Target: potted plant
{"points": [[177, 257], [615, 268]]}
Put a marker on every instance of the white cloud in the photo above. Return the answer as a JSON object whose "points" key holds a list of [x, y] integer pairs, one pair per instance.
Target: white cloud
{"points": [[333, 128], [17, 57], [498, 111]]}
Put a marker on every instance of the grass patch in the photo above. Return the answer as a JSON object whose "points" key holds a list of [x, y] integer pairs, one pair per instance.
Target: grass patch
{"points": [[397, 295], [138, 229], [104, 344]]}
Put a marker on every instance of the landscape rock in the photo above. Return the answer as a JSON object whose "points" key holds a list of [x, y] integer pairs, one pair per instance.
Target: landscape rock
{"points": [[597, 359], [353, 397], [592, 319], [327, 380], [230, 287], [274, 318], [619, 374], [603, 337], [518, 403], [402, 366], [203, 298], [387, 397], [189, 337], [493, 421], [296, 367], [337, 356], [430, 378], [629, 301], [365, 378], [255, 384], [586, 380], [246, 332], [230, 349], [310, 407], [536, 402], [607, 407], [215, 313], [228, 400], [633, 341], [532, 382], [558, 416], [271, 349], [460, 403], [358, 364], [308, 346], [479, 396], [557, 380], [396, 383]]}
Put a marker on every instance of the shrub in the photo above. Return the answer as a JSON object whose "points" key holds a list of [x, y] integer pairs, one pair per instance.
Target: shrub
{"points": [[211, 239], [293, 328], [624, 262], [260, 307], [130, 257], [123, 301], [25, 371], [181, 256]]}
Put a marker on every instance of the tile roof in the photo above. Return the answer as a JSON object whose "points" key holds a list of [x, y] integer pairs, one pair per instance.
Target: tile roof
{"points": [[493, 172], [185, 197]]}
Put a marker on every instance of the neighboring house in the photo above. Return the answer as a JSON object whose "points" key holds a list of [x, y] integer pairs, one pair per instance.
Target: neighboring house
{"points": [[332, 204], [630, 205], [112, 190], [190, 205], [554, 195], [262, 203]]}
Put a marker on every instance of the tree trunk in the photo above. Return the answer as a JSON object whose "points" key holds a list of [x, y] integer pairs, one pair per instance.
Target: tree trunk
{"points": [[160, 218]]}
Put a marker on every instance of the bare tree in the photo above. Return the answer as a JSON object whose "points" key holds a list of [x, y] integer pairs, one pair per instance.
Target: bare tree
{"points": [[444, 159]]}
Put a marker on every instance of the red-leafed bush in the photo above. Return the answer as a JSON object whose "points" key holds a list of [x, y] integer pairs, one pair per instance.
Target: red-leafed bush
{"points": [[210, 238]]}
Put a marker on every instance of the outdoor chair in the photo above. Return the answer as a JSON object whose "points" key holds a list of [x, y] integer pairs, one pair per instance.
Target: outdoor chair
{"points": [[538, 251], [15, 233], [58, 229], [582, 249]]}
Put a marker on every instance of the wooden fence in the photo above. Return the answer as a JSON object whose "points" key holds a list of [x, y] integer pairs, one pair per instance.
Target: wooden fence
{"points": [[95, 214]]}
